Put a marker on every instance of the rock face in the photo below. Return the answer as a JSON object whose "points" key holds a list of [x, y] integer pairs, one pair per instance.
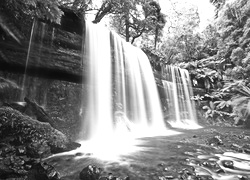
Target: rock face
{"points": [[54, 50], [44, 60]]}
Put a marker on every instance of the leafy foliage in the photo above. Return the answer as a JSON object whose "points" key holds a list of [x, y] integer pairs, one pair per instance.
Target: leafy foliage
{"points": [[80, 7], [233, 101], [218, 5], [240, 100], [180, 42], [132, 19], [213, 111], [237, 56], [223, 47], [233, 25], [45, 9]]}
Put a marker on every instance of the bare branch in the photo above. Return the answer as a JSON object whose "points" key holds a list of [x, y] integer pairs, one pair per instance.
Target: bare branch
{"points": [[105, 9]]}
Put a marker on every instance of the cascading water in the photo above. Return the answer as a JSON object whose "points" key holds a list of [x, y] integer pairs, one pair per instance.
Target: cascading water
{"points": [[123, 100], [178, 91], [122, 92], [22, 95], [39, 47]]}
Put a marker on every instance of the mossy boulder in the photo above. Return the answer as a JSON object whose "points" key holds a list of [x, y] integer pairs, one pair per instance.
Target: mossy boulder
{"points": [[40, 139]]}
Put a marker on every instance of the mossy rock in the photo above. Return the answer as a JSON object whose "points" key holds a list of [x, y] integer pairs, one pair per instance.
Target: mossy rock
{"points": [[40, 138]]}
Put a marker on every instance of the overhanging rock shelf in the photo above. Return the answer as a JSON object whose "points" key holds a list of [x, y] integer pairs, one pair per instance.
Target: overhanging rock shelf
{"points": [[53, 51]]}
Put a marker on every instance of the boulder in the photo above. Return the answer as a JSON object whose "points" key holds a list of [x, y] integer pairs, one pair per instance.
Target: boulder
{"points": [[43, 171], [24, 141], [39, 138], [90, 172], [215, 141]]}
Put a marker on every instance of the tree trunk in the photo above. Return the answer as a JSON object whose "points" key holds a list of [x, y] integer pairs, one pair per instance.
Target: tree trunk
{"points": [[156, 35], [104, 10], [127, 27]]}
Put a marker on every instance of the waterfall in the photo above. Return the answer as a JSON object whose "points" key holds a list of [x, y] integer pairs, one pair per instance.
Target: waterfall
{"points": [[122, 94], [23, 93], [40, 47], [178, 92]]}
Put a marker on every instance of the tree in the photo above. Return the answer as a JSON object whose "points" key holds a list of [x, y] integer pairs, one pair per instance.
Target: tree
{"points": [[44, 9], [237, 56], [132, 18], [233, 24], [218, 5], [181, 42], [80, 7], [210, 36]]}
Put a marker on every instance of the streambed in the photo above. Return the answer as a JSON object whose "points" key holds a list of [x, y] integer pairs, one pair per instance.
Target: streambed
{"points": [[214, 152]]}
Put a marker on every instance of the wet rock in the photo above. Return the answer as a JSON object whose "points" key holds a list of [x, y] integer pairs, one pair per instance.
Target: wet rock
{"points": [[206, 164], [210, 164], [89, 154], [246, 148], [247, 151], [204, 177], [215, 141], [236, 147], [90, 172], [116, 178], [161, 165], [228, 164], [161, 178], [72, 146], [111, 177], [103, 178], [43, 171], [169, 177], [247, 137], [241, 136], [187, 174], [219, 170], [79, 154], [242, 177]]}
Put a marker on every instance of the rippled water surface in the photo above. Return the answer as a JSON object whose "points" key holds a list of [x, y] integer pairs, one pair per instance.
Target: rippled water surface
{"points": [[159, 158]]}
